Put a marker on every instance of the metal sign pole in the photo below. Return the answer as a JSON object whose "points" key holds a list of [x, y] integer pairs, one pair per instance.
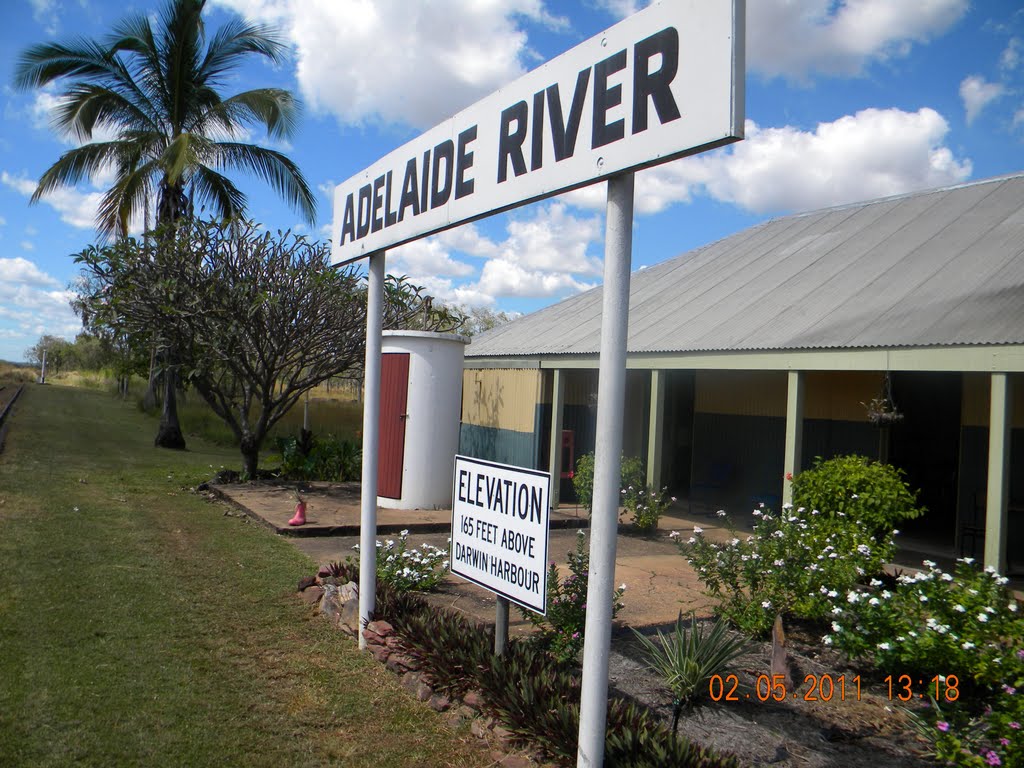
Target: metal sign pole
{"points": [[371, 442], [501, 626], [604, 520]]}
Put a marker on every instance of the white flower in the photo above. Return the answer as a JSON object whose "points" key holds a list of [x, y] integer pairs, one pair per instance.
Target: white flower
{"points": [[982, 617], [836, 627], [698, 530], [854, 496], [883, 646], [875, 583], [827, 639], [720, 513], [967, 560], [967, 645], [886, 594], [766, 604], [691, 540], [622, 586], [404, 533], [947, 577], [779, 563], [580, 532], [959, 608], [1012, 606], [674, 535], [837, 611], [833, 593], [923, 598], [874, 601], [852, 597]]}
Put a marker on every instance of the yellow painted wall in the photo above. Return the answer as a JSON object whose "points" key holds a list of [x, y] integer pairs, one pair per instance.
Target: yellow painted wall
{"points": [[501, 397], [975, 405], [741, 393], [840, 396]]}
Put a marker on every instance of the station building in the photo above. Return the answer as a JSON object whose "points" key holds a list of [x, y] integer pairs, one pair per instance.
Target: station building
{"points": [[791, 340]]}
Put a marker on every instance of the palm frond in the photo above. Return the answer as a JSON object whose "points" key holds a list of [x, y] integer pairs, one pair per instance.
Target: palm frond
{"points": [[75, 165], [217, 191], [85, 106], [125, 200], [274, 168], [235, 39], [41, 64], [275, 108]]}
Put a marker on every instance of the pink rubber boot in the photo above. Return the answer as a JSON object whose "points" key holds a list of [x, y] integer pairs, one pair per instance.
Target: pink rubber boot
{"points": [[300, 514]]}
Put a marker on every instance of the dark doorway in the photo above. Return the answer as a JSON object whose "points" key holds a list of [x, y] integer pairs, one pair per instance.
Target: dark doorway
{"points": [[677, 437], [926, 445]]}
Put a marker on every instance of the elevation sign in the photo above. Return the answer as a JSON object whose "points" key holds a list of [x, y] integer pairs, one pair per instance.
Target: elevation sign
{"points": [[500, 517], [663, 83]]}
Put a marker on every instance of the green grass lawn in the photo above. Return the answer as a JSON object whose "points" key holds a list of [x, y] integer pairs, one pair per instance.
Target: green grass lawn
{"points": [[139, 625]]}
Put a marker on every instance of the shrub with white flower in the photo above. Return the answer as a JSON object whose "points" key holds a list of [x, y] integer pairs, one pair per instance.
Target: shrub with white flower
{"points": [[795, 563], [966, 625], [406, 570], [646, 505]]}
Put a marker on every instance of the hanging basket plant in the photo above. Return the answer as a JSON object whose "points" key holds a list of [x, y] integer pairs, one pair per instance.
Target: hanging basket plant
{"points": [[882, 411]]}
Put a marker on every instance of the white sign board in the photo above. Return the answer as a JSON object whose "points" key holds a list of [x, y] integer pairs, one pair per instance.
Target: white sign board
{"points": [[663, 83], [500, 517]]}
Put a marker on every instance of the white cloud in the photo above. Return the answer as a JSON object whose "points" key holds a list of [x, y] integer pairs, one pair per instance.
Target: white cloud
{"points": [[19, 271], [75, 207], [45, 13], [27, 245], [797, 38], [502, 277], [976, 94], [620, 8], [553, 240], [31, 304], [1010, 58], [396, 61], [873, 153], [426, 258], [1018, 117]]}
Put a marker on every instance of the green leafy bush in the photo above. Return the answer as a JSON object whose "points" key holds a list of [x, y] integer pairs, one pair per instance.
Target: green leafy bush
{"points": [[326, 458], [632, 479], [561, 630], [860, 488], [794, 562], [934, 623], [964, 627], [689, 657]]}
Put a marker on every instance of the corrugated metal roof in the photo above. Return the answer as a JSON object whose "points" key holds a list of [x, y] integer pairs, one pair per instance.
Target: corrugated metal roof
{"points": [[934, 268]]}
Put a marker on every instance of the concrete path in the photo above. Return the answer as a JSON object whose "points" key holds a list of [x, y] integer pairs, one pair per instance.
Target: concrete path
{"points": [[659, 582]]}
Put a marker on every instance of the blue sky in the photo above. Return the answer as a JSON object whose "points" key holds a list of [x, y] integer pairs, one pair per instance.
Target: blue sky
{"points": [[847, 100]]}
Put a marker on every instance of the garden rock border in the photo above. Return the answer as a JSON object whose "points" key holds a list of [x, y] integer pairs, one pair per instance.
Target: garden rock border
{"points": [[339, 604]]}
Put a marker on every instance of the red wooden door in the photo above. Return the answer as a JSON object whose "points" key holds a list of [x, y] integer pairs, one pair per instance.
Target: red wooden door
{"points": [[394, 394]]}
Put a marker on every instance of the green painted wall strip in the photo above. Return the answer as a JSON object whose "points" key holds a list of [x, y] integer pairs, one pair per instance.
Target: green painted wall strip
{"points": [[555, 445], [656, 422]]}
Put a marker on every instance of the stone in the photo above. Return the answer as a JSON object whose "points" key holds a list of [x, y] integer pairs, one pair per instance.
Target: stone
{"points": [[382, 628], [440, 703], [456, 716], [411, 681], [473, 700], [424, 691], [311, 595], [503, 735], [371, 637], [329, 604], [516, 761], [399, 663], [481, 727], [306, 581], [380, 653], [349, 591], [394, 642], [348, 619]]}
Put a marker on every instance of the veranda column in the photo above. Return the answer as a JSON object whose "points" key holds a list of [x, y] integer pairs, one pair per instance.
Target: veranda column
{"points": [[998, 494], [655, 429], [555, 445], [794, 432]]}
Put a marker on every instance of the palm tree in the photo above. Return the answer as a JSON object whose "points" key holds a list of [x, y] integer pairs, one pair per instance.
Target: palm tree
{"points": [[156, 92]]}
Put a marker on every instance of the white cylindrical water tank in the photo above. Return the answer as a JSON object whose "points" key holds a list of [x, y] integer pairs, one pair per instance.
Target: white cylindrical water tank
{"points": [[427, 422]]}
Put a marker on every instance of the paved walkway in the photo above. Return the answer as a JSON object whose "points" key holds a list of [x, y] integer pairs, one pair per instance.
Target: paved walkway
{"points": [[659, 582]]}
